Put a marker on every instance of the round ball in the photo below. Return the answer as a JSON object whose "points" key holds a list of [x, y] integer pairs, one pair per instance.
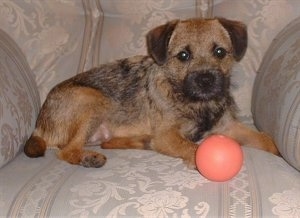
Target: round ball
{"points": [[219, 158]]}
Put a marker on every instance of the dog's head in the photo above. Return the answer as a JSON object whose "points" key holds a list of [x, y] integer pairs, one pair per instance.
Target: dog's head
{"points": [[198, 54]]}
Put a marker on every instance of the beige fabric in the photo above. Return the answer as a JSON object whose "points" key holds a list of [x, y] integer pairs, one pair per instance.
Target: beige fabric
{"points": [[137, 183], [19, 99], [276, 97], [54, 35]]}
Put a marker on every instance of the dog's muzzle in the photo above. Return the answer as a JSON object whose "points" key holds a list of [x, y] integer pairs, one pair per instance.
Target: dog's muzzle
{"points": [[205, 85]]}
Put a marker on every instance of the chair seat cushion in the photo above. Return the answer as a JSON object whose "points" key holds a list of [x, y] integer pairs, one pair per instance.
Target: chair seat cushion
{"points": [[144, 183]]}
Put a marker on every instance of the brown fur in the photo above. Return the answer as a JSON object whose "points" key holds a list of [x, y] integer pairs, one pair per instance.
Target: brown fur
{"points": [[164, 102]]}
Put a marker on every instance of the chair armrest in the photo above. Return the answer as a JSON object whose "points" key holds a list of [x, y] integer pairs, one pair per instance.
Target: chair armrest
{"points": [[276, 93], [19, 99]]}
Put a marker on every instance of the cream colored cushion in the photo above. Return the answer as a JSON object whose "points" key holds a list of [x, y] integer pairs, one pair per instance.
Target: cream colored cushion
{"points": [[276, 95], [139, 183], [19, 100]]}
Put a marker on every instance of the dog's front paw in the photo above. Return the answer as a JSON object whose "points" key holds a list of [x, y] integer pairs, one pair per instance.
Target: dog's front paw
{"points": [[190, 163], [93, 159]]}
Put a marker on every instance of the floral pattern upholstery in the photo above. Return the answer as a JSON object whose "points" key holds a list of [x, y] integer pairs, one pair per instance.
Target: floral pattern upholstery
{"points": [[19, 99], [138, 183], [277, 87], [64, 37]]}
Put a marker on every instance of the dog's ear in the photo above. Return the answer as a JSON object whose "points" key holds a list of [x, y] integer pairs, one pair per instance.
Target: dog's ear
{"points": [[158, 41], [238, 35]]}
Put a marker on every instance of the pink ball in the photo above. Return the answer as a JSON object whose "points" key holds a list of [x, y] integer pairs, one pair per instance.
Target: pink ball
{"points": [[219, 158]]}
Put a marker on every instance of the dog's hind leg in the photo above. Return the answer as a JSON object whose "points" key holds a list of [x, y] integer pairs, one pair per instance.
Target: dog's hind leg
{"points": [[82, 157], [75, 153]]}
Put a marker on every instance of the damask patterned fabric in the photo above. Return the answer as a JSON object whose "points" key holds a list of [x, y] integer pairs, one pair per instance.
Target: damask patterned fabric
{"points": [[277, 88], [54, 35], [136, 183], [19, 99]]}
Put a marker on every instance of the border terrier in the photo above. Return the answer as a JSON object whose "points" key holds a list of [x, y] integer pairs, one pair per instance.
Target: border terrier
{"points": [[165, 101]]}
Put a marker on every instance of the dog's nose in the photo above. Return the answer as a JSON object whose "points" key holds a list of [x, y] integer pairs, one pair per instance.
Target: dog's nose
{"points": [[205, 84], [205, 79]]}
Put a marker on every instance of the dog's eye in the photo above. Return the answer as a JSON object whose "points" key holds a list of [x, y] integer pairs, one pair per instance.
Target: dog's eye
{"points": [[183, 56], [220, 52]]}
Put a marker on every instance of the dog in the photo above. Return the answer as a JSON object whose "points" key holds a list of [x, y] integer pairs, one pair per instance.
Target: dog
{"points": [[166, 101]]}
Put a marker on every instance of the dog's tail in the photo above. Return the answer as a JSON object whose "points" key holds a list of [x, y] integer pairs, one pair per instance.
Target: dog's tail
{"points": [[35, 146]]}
